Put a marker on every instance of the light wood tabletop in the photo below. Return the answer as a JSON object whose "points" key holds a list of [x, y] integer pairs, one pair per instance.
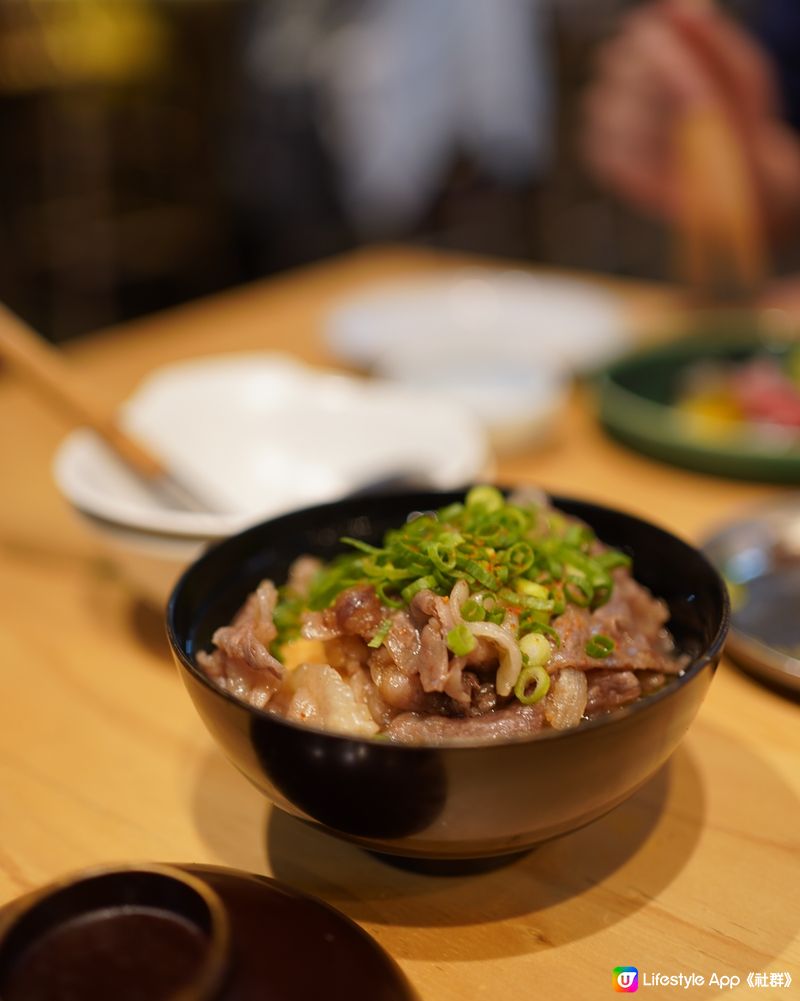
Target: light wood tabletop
{"points": [[102, 757]]}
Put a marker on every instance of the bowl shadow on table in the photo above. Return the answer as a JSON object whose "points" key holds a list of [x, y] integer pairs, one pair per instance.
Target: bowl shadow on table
{"points": [[564, 891], [564, 877], [147, 626]]}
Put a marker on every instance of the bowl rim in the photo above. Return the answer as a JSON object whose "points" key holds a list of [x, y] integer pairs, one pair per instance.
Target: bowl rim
{"points": [[709, 655]]}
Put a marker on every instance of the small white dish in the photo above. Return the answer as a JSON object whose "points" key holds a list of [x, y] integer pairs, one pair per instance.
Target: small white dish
{"points": [[503, 344], [481, 316], [518, 405], [260, 434]]}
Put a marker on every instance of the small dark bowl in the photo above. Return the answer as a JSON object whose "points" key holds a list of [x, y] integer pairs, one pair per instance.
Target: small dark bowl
{"points": [[456, 802]]}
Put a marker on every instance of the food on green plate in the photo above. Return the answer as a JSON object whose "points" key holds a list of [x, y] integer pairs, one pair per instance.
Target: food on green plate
{"points": [[761, 394], [486, 620]]}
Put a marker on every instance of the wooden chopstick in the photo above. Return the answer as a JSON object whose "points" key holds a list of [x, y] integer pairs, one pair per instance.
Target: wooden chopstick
{"points": [[45, 368]]}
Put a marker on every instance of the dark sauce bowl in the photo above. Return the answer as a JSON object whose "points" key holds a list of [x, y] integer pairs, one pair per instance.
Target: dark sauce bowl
{"points": [[451, 802]]}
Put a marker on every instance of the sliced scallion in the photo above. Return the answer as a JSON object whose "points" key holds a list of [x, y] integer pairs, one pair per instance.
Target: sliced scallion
{"points": [[473, 611], [461, 641], [532, 674], [486, 497], [381, 634], [599, 646], [420, 584], [536, 648]]}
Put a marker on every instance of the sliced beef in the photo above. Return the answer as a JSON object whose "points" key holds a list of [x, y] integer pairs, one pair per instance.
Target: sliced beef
{"points": [[403, 643], [482, 695], [651, 681], [358, 611], [242, 663], [422, 607], [414, 688], [433, 657], [400, 690], [632, 618], [609, 689], [425, 605], [348, 654]]}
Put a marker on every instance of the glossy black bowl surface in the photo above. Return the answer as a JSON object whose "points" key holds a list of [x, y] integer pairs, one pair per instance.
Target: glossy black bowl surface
{"points": [[455, 802]]}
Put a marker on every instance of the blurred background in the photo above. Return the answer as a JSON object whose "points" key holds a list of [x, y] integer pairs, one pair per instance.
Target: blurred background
{"points": [[157, 150]]}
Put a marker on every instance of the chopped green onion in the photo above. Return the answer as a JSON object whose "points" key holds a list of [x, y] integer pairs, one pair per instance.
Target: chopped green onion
{"points": [[486, 497], [387, 599], [473, 611], [532, 674], [532, 589], [372, 568], [613, 558], [578, 535], [559, 601], [451, 512], [599, 646], [536, 648], [523, 601], [527, 625], [481, 575], [442, 556], [461, 641], [421, 584], [602, 592], [359, 544], [528, 562], [579, 591], [381, 634]]}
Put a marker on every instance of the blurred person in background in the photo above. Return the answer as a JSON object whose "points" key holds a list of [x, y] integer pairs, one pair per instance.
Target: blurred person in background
{"points": [[673, 57], [156, 150], [361, 120]]}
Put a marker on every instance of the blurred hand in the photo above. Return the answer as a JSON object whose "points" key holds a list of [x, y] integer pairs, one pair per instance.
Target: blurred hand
{"points": [[671, 58]]}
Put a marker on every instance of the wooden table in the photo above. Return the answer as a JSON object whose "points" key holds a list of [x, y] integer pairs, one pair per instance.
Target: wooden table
{"points": [[102, 756]]}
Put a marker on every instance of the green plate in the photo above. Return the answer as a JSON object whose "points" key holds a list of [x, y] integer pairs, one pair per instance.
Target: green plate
{"points": [[636, 397]]}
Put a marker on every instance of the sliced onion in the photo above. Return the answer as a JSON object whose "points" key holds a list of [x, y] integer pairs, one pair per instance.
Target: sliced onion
{"points": [[566, 701], [510, 656], [458, 596]]}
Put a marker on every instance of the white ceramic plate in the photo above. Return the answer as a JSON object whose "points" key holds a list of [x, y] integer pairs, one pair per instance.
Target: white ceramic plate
{"points": [[262, 434], [480, 315], [501, 343], [518, 405]]}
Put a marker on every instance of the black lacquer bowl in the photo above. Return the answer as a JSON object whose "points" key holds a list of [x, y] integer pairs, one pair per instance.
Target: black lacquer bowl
{"points": [[457, 802]]}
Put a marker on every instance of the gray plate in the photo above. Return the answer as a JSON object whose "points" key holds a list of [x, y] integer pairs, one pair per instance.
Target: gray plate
{"points": [[759, 556]]}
